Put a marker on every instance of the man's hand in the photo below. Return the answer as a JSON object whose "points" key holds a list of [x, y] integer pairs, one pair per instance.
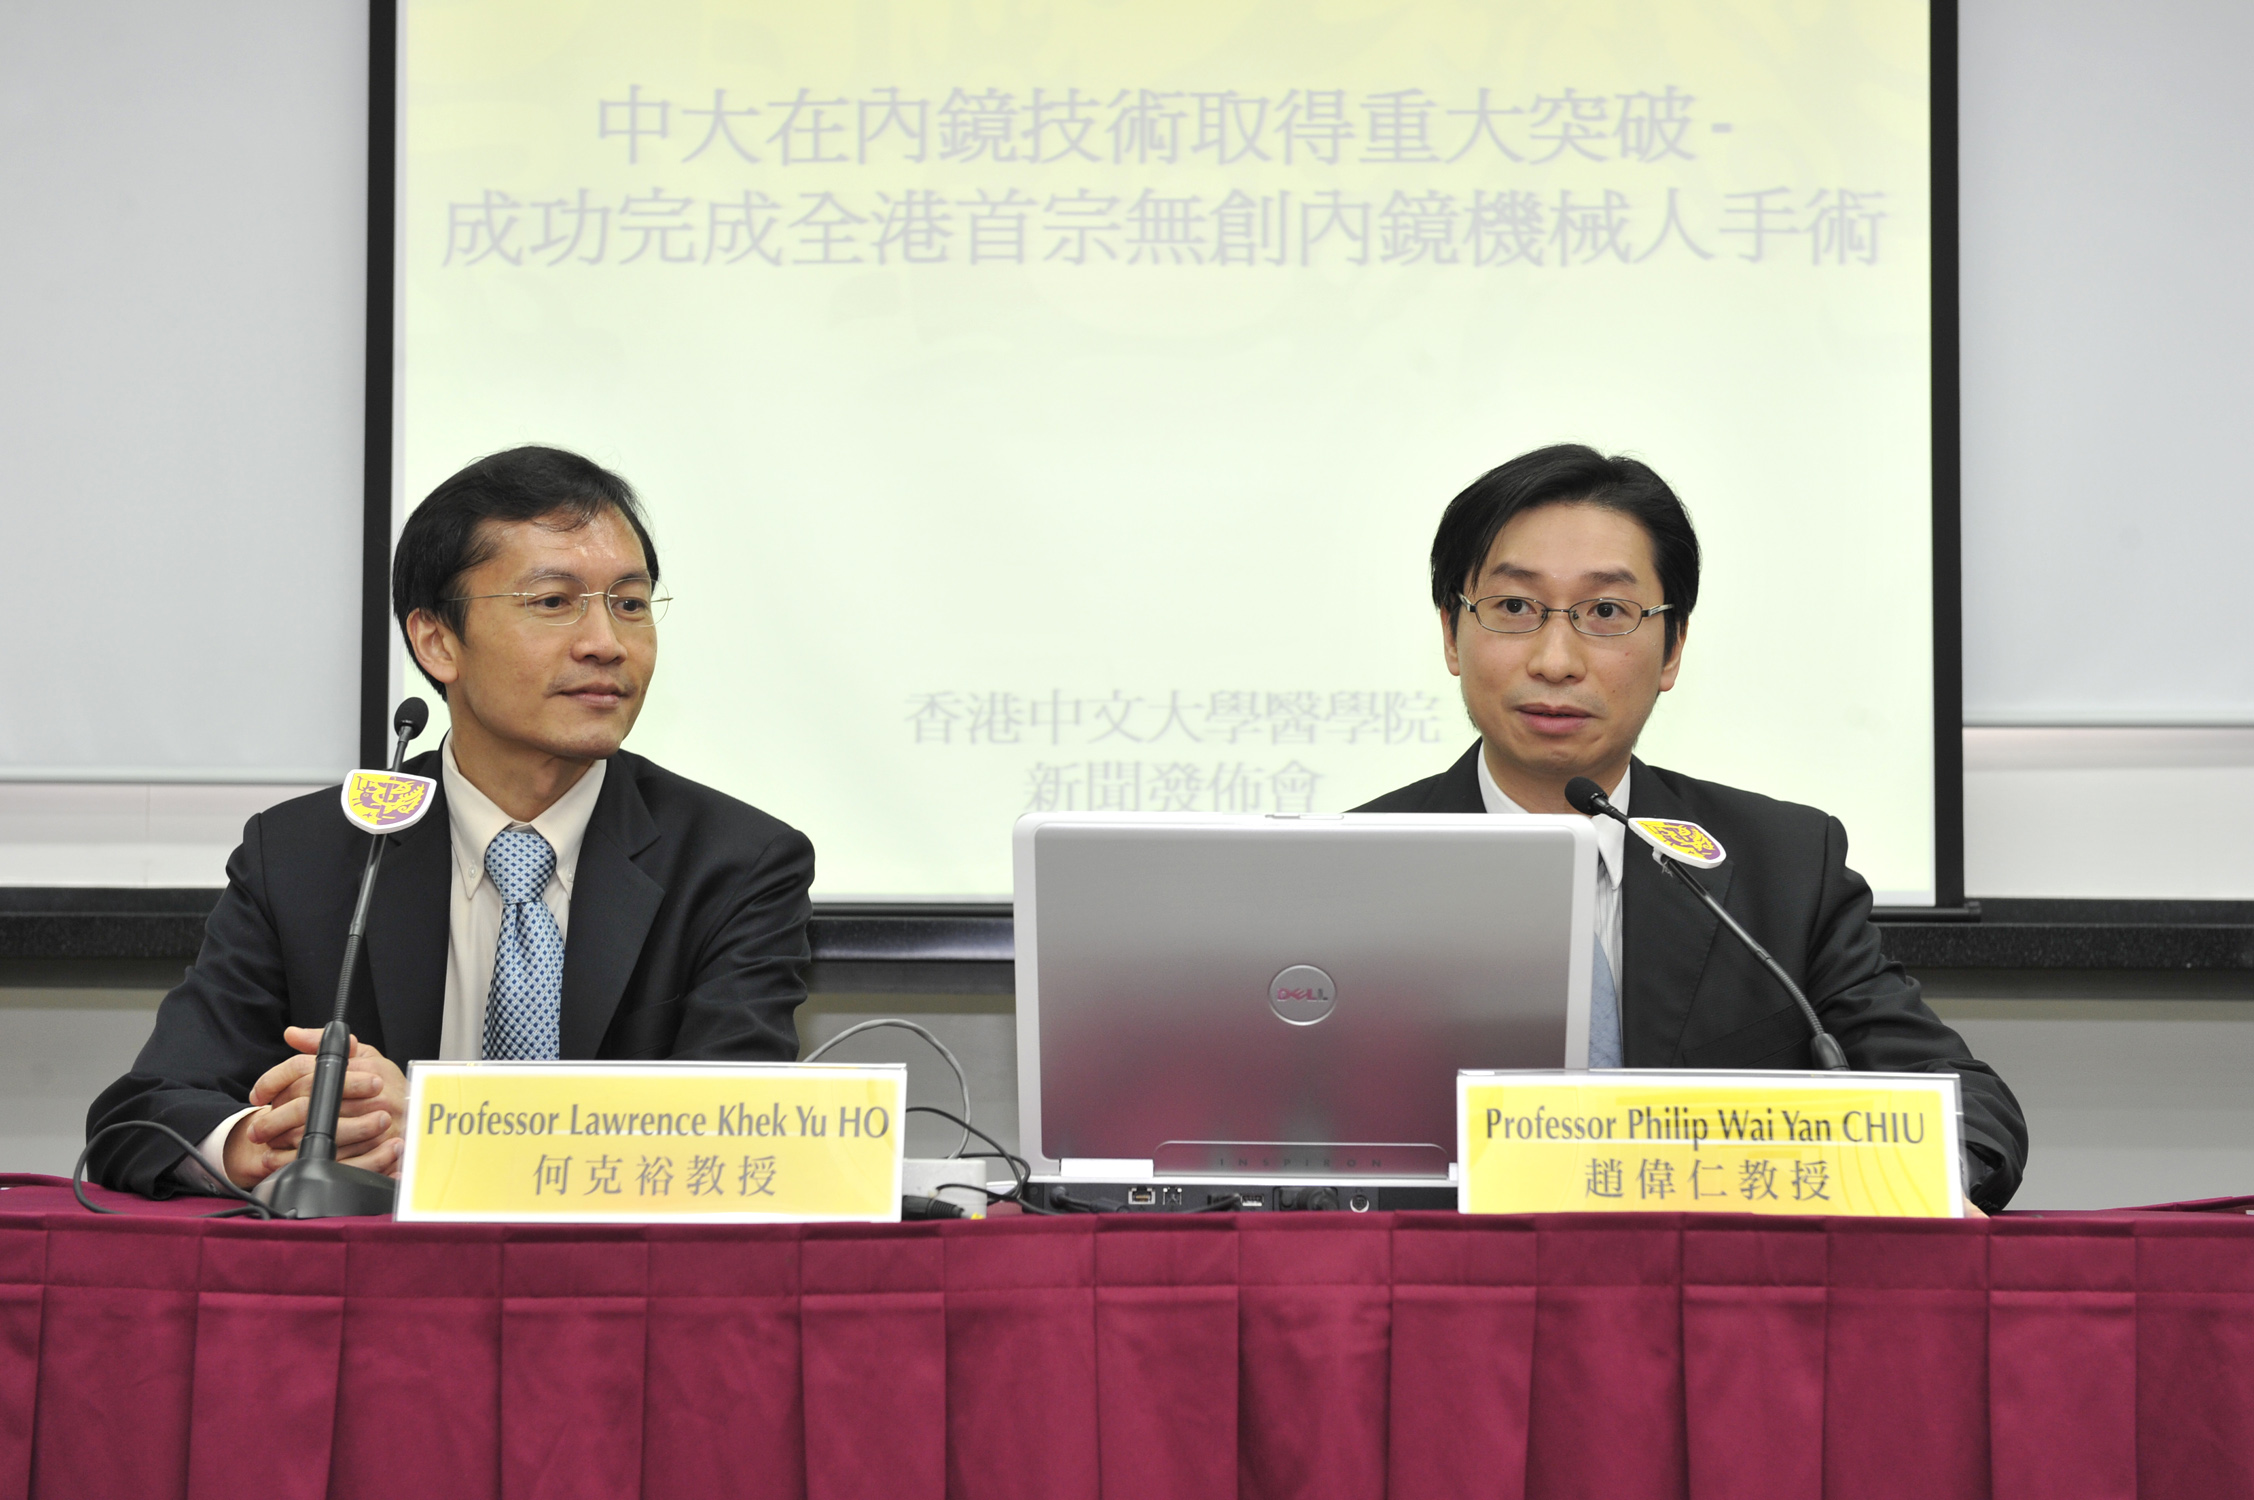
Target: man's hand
{"points": [[371, 1123]]}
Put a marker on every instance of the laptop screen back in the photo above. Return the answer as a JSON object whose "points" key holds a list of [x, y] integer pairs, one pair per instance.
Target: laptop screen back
{"points": [[1289, 996]]}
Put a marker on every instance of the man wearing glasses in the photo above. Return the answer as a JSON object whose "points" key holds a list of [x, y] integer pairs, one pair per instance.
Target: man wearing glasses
{"points": [[565, 898], [1564, 582]]}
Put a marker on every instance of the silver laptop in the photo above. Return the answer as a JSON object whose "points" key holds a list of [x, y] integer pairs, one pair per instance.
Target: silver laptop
{"points": [[1269, 998]]}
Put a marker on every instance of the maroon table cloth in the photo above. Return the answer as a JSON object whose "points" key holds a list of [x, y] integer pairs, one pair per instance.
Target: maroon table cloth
{"points": [[1199, 1356]]}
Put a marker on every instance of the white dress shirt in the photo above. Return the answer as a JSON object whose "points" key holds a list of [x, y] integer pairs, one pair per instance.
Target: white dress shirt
{"points": [[1612, 849], [473, 908]]}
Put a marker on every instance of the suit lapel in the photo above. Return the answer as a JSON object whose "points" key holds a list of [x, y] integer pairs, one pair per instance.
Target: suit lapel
{"points": [[613, 902], [1667, 935], [407, 928], [1456, 789]]}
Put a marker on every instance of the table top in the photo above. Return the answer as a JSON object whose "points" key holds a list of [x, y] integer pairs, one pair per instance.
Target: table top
{"points": [[28, 1194]]}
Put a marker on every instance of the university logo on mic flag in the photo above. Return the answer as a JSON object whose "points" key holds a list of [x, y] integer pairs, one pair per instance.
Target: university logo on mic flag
{"points": [[1687, 842], [386, 801]]}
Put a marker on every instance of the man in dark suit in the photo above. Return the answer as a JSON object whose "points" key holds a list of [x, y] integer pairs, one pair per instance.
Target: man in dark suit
{"points": [[563, 898], [1564, 582]]}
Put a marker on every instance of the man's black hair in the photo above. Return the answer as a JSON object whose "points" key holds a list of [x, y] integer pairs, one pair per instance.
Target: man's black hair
{"points": [[447, 536], [1567, 474]]}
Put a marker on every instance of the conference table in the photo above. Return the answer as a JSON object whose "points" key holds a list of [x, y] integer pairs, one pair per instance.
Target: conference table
{"points": [[154, 1354]]}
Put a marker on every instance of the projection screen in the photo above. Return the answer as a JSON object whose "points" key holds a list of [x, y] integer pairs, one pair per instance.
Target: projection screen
{"points": [[1048, 403]]}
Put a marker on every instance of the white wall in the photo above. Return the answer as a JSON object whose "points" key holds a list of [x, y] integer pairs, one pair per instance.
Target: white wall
{"points": [[2128, 1101], [58, 1049], [182, 293], [2106, 211], [126, 834], [2109, 813], [2106, 319]]}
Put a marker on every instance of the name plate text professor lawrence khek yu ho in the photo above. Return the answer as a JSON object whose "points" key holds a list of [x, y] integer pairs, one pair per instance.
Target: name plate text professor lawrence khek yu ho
{"points": [[610, 1142]]}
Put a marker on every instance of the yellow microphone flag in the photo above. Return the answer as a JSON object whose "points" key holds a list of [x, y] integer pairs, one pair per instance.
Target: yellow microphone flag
{"points": [[386, 801], [1687, 842]]}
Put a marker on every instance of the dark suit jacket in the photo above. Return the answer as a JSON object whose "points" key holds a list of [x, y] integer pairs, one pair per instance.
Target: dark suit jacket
{"points": [[687, 940], [1692, 997]]}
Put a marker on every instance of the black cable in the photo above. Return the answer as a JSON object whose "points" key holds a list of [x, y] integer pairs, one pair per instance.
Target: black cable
{"points": [[1020, 1169], [915, 1206], [1060, 1201], [1011, 1197], [78, 1173]]}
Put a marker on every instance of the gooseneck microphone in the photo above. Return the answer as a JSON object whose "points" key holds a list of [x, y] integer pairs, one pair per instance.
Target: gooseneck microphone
{"points": [[317, 1185], [1585, 796]]}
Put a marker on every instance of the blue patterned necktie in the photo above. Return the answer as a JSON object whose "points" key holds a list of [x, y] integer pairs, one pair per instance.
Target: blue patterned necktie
{"points": [[522, 1009], [1605, 1043]]}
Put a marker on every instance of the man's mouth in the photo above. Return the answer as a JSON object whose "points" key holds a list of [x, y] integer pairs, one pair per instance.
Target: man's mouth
{"points": [[1552, 718], [600, 694]]}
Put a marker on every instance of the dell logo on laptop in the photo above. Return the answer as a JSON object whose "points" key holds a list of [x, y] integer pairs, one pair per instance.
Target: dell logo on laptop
{"points": [[1302, 995]]}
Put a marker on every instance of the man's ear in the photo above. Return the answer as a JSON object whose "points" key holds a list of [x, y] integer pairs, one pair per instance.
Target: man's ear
{"points": [[1674, 662], [438, 650], [1448, 644]]}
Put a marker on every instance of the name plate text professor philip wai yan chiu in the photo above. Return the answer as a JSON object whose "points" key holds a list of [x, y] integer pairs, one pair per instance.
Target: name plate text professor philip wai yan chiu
{"points": [[624, 1142], [1662, 1140]]}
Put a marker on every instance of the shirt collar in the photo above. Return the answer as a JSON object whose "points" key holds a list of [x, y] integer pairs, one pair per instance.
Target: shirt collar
{"points": [[474, 819], [1612, 839]]}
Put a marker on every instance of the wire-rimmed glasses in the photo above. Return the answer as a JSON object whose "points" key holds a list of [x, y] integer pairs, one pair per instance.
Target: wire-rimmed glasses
{"points": [[632, 602], [1513, 614]]}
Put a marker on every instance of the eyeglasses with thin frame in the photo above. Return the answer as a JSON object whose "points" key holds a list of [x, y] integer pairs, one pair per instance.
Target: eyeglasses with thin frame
{"points": [[1512, 614], [630, 602]]}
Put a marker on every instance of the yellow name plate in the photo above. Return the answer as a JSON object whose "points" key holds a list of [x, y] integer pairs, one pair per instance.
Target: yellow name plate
{"points": [[1660, 1139], [724, 1143]]}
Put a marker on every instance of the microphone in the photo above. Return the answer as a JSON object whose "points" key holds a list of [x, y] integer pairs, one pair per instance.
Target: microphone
{"points": [[1585, 796], [317, 1185]]}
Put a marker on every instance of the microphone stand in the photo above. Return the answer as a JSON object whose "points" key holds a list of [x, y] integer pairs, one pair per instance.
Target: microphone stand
{"points": [[1826, 1047], [317, 1185], [1587, 797]]}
